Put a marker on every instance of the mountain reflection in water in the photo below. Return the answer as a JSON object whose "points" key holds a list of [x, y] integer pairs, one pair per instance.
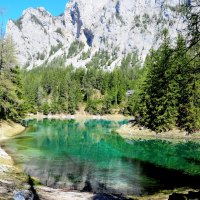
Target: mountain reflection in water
{"points": [[89, 156]]}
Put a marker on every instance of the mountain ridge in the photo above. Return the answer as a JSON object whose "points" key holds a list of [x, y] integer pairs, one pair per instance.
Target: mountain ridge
{"points": [[87, 28]]}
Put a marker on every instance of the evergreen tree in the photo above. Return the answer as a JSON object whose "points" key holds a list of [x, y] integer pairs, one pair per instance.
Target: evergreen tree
{"points": [[170, 94], [11, 88], [159, 102], [189, 82], [65, 88]]}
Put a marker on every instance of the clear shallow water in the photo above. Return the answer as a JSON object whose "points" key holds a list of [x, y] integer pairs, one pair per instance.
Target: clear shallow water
{"points": [[89, 156]]}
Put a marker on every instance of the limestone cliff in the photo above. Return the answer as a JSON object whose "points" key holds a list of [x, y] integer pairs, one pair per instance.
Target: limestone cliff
{"points": [[117, 27]]}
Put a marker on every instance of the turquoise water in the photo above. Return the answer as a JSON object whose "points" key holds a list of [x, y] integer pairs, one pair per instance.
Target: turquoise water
{"points": [[90, 156]]}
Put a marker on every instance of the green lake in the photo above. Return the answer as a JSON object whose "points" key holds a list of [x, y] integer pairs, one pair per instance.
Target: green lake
{"points": [[90, 156]]}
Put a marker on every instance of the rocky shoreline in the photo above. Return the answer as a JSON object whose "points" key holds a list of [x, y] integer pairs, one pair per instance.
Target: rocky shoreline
{"points": [[81, 115], [12, 179], [15, 184]]}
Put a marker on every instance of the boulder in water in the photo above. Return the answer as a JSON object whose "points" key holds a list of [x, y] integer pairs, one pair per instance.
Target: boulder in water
{"points": [[23, 195]]}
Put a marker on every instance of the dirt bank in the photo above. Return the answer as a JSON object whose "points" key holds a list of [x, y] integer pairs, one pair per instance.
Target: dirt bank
{"points": [[9, 129], [134, 132]]}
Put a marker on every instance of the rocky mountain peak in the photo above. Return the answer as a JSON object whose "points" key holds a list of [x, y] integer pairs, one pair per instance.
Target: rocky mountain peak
{"points": [[88, 28]]}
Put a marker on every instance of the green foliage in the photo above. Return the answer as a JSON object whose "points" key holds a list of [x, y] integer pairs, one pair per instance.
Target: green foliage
{"points": [[7, 53], [119, 17], [59, 31], [137, 21], [160, 102], [85, 55], [11, 89], [40, 56], [93, 107], [54, 49], [55, 88], [107, 105], [75, 48], [45, 108], [170, 92], [99, 60], [146, 19], [11, 95], [189, 83]]}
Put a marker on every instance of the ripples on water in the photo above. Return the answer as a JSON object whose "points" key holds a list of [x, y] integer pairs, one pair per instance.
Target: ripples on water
{"points": [[90, 156]]}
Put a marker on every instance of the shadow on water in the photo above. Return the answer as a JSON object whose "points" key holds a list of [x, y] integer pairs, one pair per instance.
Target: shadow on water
{"points": [[108, 197], [166, 178], [190, 196], [87, 187]]}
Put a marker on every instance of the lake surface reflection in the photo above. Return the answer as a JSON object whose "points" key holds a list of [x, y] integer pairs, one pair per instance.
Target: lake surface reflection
{"points": [[90, 156]]}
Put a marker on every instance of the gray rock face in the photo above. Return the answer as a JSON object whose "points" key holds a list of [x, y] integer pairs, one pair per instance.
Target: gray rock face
{"points": [[118, 27]]}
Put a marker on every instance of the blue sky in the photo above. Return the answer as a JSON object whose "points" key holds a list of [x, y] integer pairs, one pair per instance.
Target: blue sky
{"points": [[13, 8]]}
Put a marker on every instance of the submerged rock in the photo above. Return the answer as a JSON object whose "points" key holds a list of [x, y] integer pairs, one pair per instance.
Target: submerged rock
{"points": [[23, 195]]}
